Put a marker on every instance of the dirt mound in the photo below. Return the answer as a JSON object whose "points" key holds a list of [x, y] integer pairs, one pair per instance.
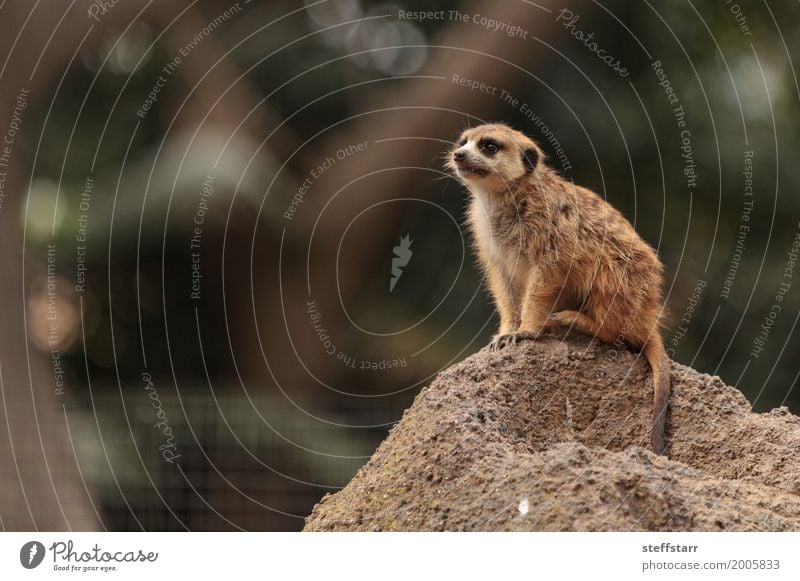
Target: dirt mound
{"points": [[551, 435]]}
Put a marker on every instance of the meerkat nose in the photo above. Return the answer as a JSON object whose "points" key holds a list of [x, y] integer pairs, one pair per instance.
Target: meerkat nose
{"points": [[459, 155]]}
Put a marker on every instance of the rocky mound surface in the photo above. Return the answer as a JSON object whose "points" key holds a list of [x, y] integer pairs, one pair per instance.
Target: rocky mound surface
{"points": [[552, 435]]}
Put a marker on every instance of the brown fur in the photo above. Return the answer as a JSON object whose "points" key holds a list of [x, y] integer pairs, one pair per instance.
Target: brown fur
{"points": [[556, 253]]}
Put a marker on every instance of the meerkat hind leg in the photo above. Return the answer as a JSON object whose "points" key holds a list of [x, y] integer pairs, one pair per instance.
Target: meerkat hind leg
{"points": [[583, 323]]}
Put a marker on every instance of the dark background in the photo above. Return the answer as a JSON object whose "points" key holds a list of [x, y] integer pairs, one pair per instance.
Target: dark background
{"points": [[263, 419]]}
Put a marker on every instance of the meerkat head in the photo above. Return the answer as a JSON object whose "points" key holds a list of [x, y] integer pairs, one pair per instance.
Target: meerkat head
{"points": [[494, 156]]}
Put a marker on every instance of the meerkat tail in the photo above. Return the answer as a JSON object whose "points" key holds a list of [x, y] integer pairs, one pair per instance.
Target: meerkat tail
{"points": [[659, 363]]}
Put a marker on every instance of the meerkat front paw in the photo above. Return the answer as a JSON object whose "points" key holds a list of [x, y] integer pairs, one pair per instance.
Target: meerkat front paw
{"points": [[506, 340]]}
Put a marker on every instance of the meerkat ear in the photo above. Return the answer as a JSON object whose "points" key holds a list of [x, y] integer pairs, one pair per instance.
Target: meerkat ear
{"points": [[530, 157]]}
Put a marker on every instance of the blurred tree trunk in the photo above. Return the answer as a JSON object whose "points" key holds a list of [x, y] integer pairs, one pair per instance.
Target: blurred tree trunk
{"points": [[40, 482]]}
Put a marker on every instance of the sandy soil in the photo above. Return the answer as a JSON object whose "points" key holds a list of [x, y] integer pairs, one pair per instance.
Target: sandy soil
{"points": [[551, 435]]}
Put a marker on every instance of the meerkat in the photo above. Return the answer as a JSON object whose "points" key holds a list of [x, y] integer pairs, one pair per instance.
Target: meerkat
{"points": [[555, 253]]}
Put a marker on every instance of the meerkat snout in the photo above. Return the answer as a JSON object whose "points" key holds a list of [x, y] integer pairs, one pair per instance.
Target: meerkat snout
{"points": [[468, 162]]}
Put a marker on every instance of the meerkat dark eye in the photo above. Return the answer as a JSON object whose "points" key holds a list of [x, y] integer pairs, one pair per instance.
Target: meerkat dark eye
{"points": [[489, 146]]}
